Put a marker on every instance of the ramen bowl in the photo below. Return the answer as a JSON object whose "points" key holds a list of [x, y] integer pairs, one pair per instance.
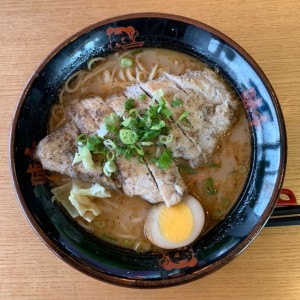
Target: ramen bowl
{"points": [[224, 241]]}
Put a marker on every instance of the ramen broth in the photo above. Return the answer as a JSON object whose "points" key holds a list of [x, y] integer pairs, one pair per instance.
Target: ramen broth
{"points": [[121, 221]]}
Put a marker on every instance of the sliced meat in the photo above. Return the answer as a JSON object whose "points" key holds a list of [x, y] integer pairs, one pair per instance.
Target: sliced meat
{"points": [[116, 103], [97, 108], [137, 180], [216, 102], [135, 177], [182, 147], [81, 117], [56, 151], [169, 182]]}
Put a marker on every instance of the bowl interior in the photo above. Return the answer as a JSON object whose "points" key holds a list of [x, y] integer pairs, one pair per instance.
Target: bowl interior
{"points": [[219, 245]]}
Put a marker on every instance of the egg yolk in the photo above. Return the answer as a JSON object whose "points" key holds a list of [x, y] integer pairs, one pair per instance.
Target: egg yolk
{"points": [[176, 223]]}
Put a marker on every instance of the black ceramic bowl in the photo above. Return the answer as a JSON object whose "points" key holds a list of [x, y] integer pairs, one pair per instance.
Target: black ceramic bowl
{"points": [[221, 244]]}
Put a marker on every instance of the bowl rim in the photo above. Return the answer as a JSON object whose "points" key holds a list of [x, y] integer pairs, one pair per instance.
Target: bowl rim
{"points": [[94, 273]]}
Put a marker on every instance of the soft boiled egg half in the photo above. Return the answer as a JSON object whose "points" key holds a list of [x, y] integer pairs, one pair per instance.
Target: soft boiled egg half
{"points": [[175, 226]]}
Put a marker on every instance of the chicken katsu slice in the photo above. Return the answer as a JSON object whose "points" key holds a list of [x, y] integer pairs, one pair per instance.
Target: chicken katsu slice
{"points": [[218, 105], [135, 177], [56, 153], [198, 130], [180, 146]]}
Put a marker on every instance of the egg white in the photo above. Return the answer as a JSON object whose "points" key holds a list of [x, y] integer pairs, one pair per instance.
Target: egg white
{"points": [[153, 233]]}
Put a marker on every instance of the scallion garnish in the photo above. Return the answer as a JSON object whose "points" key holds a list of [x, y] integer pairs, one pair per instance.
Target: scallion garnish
{"points": [[165, 159], [165, 139], [159, 125], [112, 122], [109, 168], [129, 104], [214, 165], [187, 169], [182, 117], [128, 137], [82, 138], [209, 186], [176, 102], [142, 97], [126, 62], [109, 144]]}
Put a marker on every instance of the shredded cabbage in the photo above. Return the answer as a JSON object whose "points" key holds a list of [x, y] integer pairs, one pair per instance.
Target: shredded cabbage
{"points": [[95, 190], [61, 194], [82, 200], [79, 201]]}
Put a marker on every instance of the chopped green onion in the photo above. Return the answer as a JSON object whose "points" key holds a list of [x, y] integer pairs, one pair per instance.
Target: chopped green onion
{"points": [[126, 62], [183, 116], [162, 102], [93, 143], [128, 137], [129, 104], [109, 144], [133, 113], [139, 151], [186, 123], [176, 102], [209, 186], [148, 121], [159, 125], [147, 143], [214, 165], [110, 155], [187, 169], [150, 135], [165, 139], [142, 97], [82, 138], [126, 152], [165, 159], [109, 168], [112, 122], [126, 122], [166, 112], [158, 94]]}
